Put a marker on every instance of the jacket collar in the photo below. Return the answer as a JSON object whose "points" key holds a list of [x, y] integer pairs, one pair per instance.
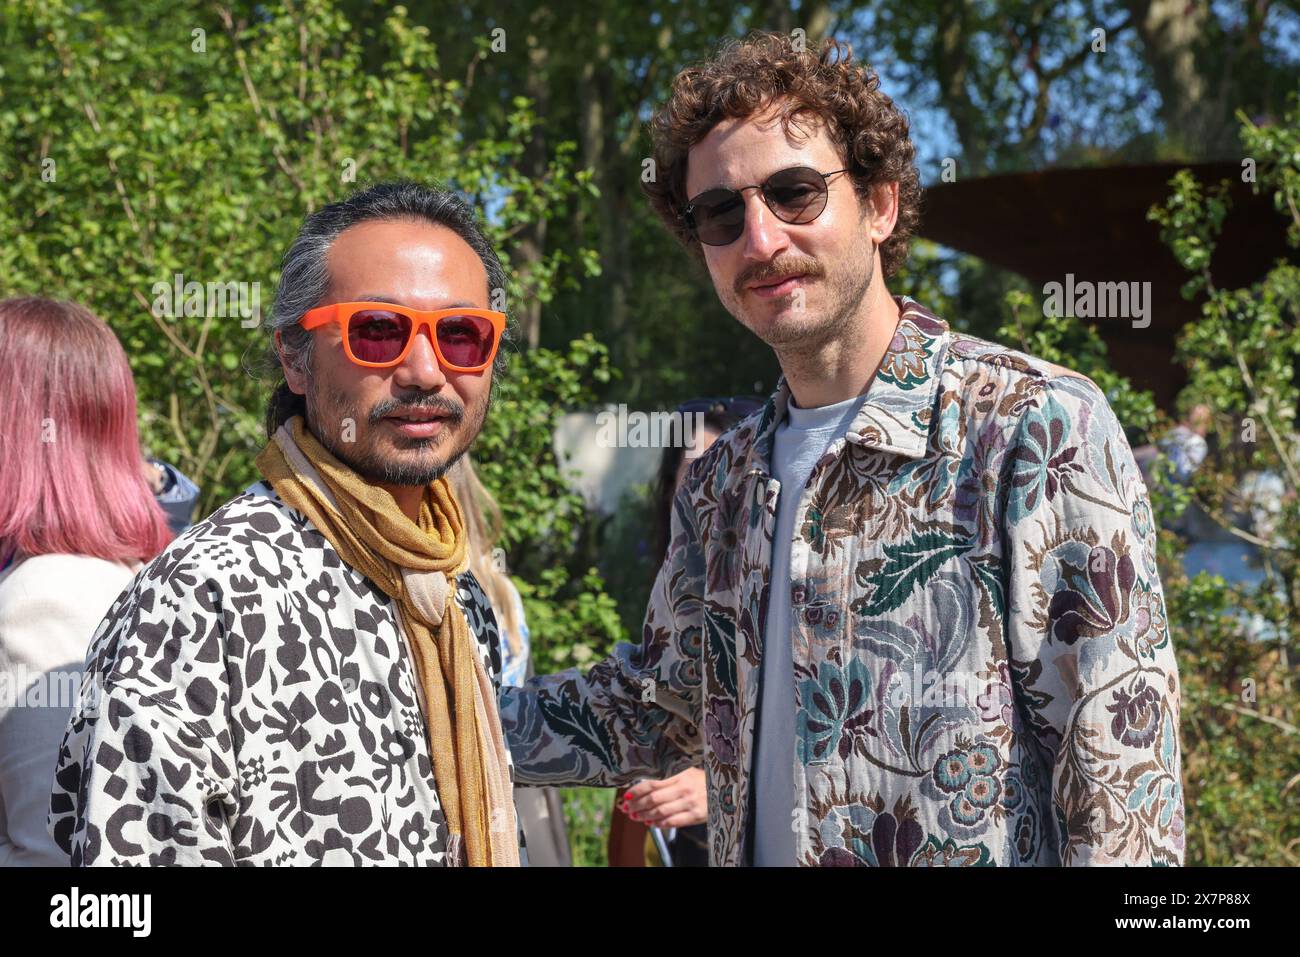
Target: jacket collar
{"points": [[897, 414]]}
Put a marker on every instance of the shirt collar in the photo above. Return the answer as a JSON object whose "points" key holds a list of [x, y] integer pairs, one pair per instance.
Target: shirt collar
{"points": [[897, 414]]}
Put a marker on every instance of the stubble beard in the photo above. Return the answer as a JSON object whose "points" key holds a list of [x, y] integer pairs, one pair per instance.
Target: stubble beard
{"points": [[364, 459], [798, 344]]}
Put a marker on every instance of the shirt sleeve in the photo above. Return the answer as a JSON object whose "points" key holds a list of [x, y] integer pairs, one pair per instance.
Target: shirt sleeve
{"points": [[635, 714], [146, 773], [177, 497], [1091, 657]]}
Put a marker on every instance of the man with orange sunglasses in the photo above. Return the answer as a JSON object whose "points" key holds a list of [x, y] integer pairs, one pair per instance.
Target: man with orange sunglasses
{"points": [[309, 676]]}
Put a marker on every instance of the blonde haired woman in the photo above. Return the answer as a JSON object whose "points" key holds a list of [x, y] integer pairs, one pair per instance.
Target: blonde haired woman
{"points": [[541, 812]]}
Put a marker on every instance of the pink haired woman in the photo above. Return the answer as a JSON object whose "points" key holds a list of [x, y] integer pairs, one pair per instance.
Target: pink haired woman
{"points": [[77, 520]]}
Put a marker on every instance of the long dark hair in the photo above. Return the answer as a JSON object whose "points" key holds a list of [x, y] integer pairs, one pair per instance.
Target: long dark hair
{"points": [[719, 416]]}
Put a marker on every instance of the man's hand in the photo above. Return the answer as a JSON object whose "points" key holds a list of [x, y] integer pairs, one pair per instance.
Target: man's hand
{"points": [[678, 801]]}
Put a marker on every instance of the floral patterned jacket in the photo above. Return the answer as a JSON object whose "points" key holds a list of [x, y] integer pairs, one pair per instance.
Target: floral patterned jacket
{"points": [[983, 667]]}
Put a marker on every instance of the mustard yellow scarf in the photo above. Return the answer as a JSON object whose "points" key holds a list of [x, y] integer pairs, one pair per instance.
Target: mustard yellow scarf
{"points": [[416, 565]]}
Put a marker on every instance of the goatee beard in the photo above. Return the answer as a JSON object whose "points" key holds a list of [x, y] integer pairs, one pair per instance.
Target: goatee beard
{"points": [[381, 471]]}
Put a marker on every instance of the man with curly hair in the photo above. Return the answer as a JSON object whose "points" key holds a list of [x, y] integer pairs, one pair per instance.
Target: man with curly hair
{"points": [[910, 614]]}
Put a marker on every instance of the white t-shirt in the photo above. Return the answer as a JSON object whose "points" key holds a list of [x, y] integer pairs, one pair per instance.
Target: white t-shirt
{"points": [[800, 441]]}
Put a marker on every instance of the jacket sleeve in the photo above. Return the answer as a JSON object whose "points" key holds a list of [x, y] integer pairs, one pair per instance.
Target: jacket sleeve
{"points": [[1091, 657], [146, 773], [635, 714]]}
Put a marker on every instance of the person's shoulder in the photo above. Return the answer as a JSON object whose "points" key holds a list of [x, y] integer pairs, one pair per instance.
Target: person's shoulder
{"points": [[53, 574], [252, 523], [257, 511], [1011, 365], [989, 376], [50, 605]]}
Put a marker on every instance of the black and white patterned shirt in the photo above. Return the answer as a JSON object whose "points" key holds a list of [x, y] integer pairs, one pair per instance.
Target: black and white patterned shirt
{"points": [[250, 699]]}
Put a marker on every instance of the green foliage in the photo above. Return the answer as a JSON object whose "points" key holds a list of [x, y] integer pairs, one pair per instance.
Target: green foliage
{"points": [[199, 153], [1068, 342], [1237, 643], [587, 816], [571, 618]]}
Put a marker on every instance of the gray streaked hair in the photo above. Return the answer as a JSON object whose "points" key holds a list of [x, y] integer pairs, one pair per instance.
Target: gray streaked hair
{"points": [[304, 277]]}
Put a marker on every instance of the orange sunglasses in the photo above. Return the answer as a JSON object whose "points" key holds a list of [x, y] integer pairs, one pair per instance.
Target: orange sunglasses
{"points": [[379, 335]]}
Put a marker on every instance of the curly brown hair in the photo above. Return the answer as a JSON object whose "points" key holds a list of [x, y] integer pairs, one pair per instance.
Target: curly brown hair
{"points": [[746, 77]]}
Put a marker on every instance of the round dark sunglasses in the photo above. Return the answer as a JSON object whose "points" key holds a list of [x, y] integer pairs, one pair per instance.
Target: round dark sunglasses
{"points": [[796, 195]]}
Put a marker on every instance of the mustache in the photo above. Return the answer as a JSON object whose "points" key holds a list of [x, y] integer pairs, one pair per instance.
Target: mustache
{"points": [[786, 266], [434, 403]]}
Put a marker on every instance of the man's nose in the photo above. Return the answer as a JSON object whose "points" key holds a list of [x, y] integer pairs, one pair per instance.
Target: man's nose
{"points": [[420, 370], [764, 234]]}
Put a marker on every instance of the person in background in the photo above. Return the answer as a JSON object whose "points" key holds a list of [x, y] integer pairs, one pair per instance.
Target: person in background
{"points": [[541, 811], [677, 806], [77, 519], [175, 492]]}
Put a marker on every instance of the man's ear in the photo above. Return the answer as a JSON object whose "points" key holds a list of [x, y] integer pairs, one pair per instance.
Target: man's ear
{"points": [[296, 380], [882, 211]]}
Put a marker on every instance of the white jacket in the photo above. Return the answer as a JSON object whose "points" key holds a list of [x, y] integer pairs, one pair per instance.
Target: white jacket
{"points": [[50, 608]]}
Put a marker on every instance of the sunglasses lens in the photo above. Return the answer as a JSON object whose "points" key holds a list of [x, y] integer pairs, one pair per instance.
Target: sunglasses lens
{"points": [[719, 217], [465, 341], [797, 195], [378, 335]]}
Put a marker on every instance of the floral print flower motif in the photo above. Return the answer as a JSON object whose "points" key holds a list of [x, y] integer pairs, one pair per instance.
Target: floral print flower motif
{"points": [[721, 729], [1137, 715], [833, 711], [725, 553], [394, 751], [965, 811], [1013, 792], [1093, 600], [905, 362], [983, 790], [823, 618], [727, 799], [970, 774], [323, 591], [1150, 630], [1041, 463], [951, 772], [997, 703], [415, 834]]}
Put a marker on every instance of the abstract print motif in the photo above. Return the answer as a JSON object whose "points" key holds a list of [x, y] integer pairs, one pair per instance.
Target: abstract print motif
{"points": [[250, 700]]}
